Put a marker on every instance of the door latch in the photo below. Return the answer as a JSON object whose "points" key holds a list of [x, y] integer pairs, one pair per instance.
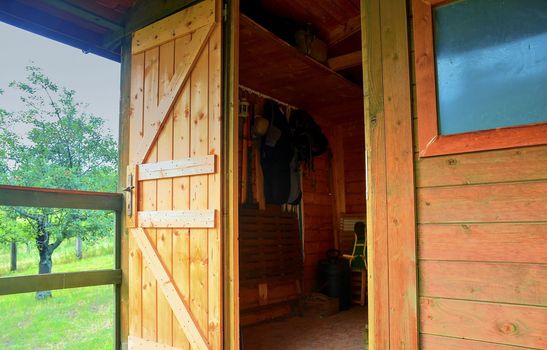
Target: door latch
{"points": [[129, 195]]}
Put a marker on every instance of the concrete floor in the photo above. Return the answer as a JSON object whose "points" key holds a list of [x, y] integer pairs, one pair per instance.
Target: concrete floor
{"points": [[345, 331]]}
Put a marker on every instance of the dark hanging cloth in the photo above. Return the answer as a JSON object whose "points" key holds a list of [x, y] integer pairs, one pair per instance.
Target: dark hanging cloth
{"points": [[276, 155], [308, 139]]}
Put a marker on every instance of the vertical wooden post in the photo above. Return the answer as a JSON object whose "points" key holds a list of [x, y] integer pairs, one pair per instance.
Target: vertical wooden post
{"points": [[123, 159], [230, 204], [13, 253], [391, 222]]}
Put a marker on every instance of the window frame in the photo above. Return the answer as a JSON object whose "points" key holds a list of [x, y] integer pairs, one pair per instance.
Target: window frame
{"points": [[430, 142]]}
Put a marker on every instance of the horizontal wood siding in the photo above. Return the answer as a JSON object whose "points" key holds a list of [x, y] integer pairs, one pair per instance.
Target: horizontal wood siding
{"points": [[354, 166], [482, 247]]}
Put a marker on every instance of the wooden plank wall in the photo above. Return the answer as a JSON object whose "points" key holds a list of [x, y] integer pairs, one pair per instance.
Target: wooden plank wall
{"points": [[192, 129], [354, 165], [482, 248], [318, 219]]}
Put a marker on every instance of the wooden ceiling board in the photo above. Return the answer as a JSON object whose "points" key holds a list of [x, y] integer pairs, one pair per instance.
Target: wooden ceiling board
{"points": [[113, 10], [68, 17], [273, 67], [324, 16]]}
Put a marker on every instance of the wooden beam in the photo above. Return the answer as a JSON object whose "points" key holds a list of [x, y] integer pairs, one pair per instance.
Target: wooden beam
{"points": [[349, 60], [123, 161], [56, 198], [175, 168], [136, 343], [378, 302], [344, 30], [165, 283], [52, 281], [230, 201], [400, 215], [84, 14], [178, 219]]}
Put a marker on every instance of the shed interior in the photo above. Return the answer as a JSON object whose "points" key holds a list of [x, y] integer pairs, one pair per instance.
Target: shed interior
{"points": [[281, 246]]}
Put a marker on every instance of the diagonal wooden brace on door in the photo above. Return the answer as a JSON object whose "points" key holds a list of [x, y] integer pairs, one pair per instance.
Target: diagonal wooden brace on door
{"points": [[165, 283], [200, 40]]}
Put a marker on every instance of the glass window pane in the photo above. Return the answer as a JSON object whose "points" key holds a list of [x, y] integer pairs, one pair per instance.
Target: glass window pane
{"points": [[491, 59], [79, 318]]}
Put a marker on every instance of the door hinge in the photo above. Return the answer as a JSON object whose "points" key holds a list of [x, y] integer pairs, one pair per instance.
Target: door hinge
{"points": [[225, 12]]}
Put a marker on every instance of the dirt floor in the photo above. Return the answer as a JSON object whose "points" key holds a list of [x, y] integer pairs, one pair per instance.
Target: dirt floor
{"points": [[345, 330]]}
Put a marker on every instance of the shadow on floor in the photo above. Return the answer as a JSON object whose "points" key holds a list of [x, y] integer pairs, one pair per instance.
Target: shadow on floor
{"points": [[345, 330]]}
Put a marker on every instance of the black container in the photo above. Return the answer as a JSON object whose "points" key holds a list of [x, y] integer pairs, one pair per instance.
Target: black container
{"points": [[334, 277]]}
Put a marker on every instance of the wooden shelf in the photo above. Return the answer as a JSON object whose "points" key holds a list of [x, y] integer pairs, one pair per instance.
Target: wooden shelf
{"points": [[273, 67]]}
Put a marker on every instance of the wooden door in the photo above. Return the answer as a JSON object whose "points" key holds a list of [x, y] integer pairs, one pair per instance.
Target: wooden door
{"points": [[175, 260]]}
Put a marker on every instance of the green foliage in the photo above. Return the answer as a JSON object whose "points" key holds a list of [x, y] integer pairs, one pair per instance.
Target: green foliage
{"points": [[63, 147], [80, 318]]}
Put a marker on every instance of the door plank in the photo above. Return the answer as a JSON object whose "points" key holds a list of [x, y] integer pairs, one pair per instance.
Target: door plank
{"points": [[214, 181], [184, 316], [148, 193], [164, 199], [199, 196], [179, 24], [136, 343], [181, 198], [195, 218], [195, 48], [176, 168]]}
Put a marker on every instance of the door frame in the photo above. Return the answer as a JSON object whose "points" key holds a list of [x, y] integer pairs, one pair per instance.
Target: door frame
{"points": [[390, 193]]}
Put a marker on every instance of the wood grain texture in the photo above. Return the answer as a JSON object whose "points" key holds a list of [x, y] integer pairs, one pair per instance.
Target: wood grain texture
{"points": [[484, 281], [435, 342], [501, 242], [498, 323], [159, 111], [399, 177], [521, 202], [215, 244], [177, 168], [377, 238], [522, 164], [148, 194], [424, 64], [164, 199], [158, 270], [136, 343], [197, 218], [181, 23], [199, 147], [267, 63], [181, 84]]}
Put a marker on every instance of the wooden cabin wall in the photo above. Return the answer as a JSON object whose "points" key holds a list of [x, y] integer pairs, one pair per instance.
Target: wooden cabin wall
{"points": [[317, 201], [482, 247], [354, 166]]}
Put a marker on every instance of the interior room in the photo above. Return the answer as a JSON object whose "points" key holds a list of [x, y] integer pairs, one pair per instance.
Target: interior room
{"points": [[301, 175]]}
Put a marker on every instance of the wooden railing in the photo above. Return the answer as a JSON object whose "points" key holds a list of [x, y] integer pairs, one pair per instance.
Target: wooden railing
{"points": [[56, 198]]}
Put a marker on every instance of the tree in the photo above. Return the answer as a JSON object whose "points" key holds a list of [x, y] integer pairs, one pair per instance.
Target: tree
{"points": [[64, 147]]}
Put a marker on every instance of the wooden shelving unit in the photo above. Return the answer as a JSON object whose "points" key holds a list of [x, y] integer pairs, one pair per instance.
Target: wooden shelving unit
{"points": [[275, 68]]}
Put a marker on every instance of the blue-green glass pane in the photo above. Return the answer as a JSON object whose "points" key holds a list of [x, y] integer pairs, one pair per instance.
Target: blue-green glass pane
{"points": [[491, 60]]}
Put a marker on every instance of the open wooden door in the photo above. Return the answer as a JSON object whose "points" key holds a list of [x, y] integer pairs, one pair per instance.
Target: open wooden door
{"points": [[175, 153]]}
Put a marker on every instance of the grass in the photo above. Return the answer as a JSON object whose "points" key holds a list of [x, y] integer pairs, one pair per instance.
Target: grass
{"points": [[81, 318]]}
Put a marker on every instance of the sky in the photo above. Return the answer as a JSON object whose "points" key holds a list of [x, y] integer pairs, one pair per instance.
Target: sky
{"points": [[96, 80]]}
